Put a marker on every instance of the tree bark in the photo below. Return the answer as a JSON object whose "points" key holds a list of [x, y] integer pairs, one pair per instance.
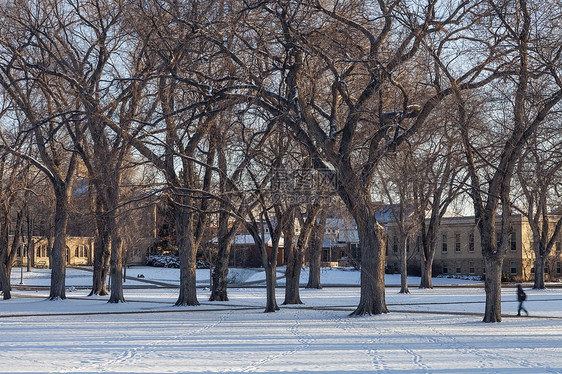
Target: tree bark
{"points": [[219, 289], [220, 272], [315, 254], [293, 263], [116, 272], [539, 270], [30, 244], [270, 275], [292, 277], [492, 285], [404, 264], [5, 282], [428, 255], [426, 274], [187, 252], [372, 237], [102, 246], [6, 256], [58, 252], [102, 254]]}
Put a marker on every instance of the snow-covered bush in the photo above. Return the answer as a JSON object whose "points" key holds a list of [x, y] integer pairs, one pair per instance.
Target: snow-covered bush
{"points": [[458, 276], [170, 261], [163, 261]]}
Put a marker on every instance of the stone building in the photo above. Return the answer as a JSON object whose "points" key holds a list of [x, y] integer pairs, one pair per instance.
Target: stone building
{"points": [[459, 252], [79, 251]]}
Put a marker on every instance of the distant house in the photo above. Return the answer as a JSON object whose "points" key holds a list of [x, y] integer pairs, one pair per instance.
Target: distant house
{"points": [[245, 253]]}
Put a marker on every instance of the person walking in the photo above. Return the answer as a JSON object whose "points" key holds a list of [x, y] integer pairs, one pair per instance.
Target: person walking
{"points": [[521, 297]]}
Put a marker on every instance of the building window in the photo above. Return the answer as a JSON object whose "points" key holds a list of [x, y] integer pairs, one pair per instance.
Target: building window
{"points": [[513, 241], [558, 245], [38, 251], [458, 268], [533, 267], [558, 268], [44, 250], [457, 242], [445, 268], [77, 252], [471, 267], [513, 268], [82, 250], [471, 242], [444, 244]]}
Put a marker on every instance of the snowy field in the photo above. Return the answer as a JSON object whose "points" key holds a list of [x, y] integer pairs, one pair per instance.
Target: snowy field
{"points": [[428, 331]]}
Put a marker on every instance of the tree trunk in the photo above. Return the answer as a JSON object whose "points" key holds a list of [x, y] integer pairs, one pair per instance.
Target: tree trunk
{"points": [[428, 239], [270, 275], [102, 254], [404, 265], [426, 274], [5, 282], [315, 254], [50, 243], [539, 271], [292, 288], [30, 244], [187, 252], [58, 252], [492, 285], [220, 272], [294, 255], [116, 261], [372, 240], [293, 263], [102, 246], [5, 258]]}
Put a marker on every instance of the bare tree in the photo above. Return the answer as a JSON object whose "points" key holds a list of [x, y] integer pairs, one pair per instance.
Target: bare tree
{"points": [[334, 74], [315, 250], [295, 252], [48, 111], [539, 176], [12, 174], [437, 181], [527, 62]]}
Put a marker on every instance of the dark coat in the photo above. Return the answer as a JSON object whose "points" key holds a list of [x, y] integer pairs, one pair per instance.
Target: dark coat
{"points": [[521, 295]]}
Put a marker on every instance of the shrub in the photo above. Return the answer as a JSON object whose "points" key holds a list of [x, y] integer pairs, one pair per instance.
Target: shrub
{"points": [[163, 261], [170, 261]]}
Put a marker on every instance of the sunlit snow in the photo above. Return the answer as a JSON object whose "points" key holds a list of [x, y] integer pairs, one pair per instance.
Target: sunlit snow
{"points": [[428, 331]]}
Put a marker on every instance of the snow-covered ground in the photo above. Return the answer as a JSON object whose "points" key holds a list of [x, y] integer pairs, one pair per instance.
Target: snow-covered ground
{"points": [[143, 275], [428, 331]]}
